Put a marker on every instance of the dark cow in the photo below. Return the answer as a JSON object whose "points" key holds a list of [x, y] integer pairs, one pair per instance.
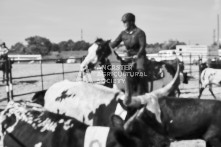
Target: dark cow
{"points": [[187, 119], [202, 66], [26, 124], [181, 64], [216, 64], [39, 97]]}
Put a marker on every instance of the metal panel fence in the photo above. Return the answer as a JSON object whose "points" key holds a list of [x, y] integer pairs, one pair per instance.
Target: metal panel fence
{"points": [[192, 67], [10, 78]]}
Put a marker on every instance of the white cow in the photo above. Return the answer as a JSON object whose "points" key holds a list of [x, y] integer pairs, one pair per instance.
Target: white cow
{"points": [[93, 104], [210, 77], [81, 100]]}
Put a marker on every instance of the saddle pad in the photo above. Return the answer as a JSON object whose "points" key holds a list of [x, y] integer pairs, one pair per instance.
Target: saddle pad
{"points": [[96, 136]]}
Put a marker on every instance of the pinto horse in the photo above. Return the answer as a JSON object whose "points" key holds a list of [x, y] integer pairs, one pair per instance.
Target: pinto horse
{"points": [[159, 73]]}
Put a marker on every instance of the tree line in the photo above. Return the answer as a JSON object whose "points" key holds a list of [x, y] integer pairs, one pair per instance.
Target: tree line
{"points": [[43, 46]]}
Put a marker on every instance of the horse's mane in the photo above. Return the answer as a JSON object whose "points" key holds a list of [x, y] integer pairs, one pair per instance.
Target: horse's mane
{"points": [[99, 40]]}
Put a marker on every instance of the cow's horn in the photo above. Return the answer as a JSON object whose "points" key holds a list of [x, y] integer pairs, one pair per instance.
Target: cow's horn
{"points": [[137, 101], [165, 91]]}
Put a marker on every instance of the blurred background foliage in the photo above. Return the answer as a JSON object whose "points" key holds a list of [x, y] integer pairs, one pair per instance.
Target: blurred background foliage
{"points": [[43, 46]]}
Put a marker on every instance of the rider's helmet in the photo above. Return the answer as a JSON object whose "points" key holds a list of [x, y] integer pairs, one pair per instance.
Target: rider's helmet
{"points": [[128, 17], [2, 44]]}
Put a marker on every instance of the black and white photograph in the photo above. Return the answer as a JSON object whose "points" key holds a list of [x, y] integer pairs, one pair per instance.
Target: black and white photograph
{"points": [[102, 73]]}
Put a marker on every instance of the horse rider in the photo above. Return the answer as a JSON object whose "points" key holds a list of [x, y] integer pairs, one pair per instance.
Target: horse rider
{"points": [[134, 40], [3, 49]]}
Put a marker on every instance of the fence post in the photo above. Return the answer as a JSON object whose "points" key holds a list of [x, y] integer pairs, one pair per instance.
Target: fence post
{"points": [[200, 62], [63, 69], [190, 64], [82, 74], [42, 82], [7, 78], [10, 78]]}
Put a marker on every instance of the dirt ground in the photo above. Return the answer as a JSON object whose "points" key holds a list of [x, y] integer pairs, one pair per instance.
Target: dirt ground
{"points": [[190, 90]]}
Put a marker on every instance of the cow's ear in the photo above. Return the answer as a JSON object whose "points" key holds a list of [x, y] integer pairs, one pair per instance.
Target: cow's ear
{"points": [[117, 121]]}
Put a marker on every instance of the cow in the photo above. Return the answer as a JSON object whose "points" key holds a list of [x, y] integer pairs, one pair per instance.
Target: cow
{"points": [[181, 64], [26, 124], [185, 119], [209, 77], [94, 103]]}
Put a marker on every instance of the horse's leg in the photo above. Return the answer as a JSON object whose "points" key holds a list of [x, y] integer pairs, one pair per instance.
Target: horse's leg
{"points": [[211, 91], [108, 76], [151, 85], [142, 85], [128, 89], [141, 68]]}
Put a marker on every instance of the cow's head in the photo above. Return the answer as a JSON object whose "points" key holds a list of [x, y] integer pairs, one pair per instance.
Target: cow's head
{"points": [[134, 133], [97, 53], [202, 66], [144, 132], [39, 97]]}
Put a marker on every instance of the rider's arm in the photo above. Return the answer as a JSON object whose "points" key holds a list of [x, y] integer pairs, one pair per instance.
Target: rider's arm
{"points": [[142, 42], [117, 41]]}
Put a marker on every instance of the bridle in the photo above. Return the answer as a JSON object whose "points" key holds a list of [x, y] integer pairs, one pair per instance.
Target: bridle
{"points": [[103, 52]]}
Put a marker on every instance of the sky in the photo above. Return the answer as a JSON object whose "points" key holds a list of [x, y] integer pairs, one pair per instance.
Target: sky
{"points": [[190, 21]]}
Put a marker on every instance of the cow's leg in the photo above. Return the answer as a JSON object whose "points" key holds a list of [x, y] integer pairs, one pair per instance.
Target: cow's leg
{"points": [[178, 92], [211, 91], [211, 137], [3, 77], [213, 142], [201, 91]]}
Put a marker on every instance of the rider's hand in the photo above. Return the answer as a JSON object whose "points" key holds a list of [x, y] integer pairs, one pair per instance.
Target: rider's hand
{"points": [[135, 56]]}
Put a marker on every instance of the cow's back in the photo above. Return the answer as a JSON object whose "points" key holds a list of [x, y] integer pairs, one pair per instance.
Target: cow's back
{"points": [[25, 125], [81, 100], [189, 118]]}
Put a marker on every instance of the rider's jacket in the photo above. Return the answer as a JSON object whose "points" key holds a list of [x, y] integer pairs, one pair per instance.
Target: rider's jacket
{"points": [[3, 50], [135, 41]]}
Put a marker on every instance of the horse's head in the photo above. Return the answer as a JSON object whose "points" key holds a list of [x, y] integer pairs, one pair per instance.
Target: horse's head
{"points": [[203, 66], [97, 53]]}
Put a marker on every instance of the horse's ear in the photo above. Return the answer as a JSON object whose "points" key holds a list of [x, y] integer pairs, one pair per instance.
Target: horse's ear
{"points": [[99, 41], [108, 41]]}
